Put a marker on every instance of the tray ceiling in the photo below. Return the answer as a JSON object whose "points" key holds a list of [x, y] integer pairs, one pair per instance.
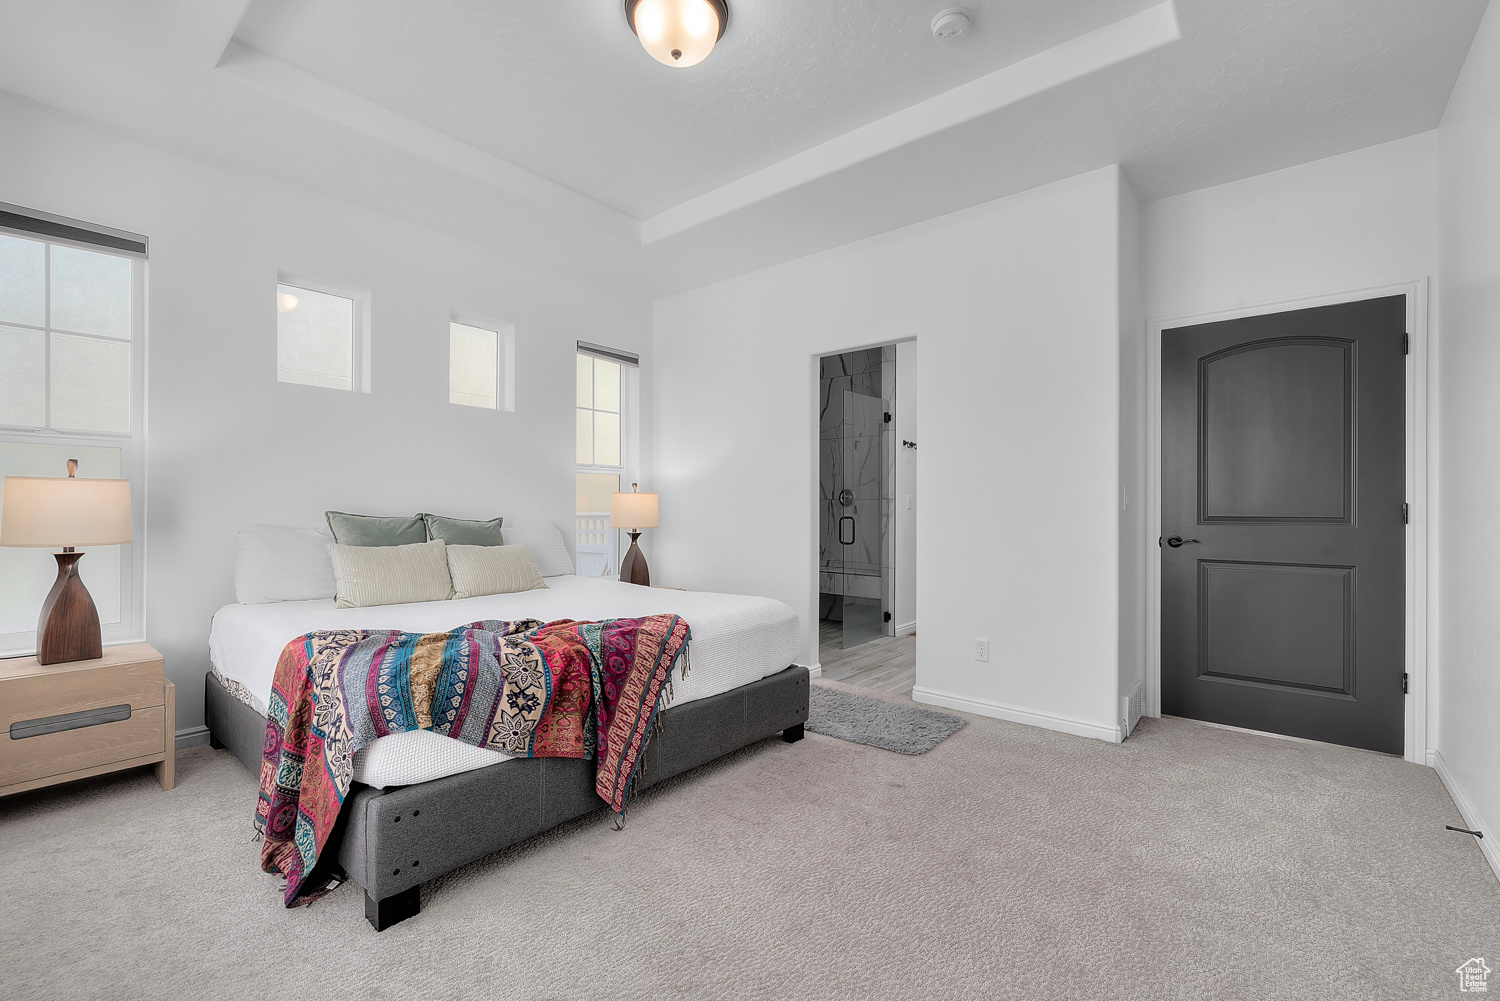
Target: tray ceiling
{"points": [[564, 90], [544, 129]]}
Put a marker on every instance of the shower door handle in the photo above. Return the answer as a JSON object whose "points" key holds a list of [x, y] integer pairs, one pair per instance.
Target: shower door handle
{"points": [[843, 541]]}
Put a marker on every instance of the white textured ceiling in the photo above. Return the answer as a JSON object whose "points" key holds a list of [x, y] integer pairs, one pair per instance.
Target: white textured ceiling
{"points": [[541, 128], [563, 89]]}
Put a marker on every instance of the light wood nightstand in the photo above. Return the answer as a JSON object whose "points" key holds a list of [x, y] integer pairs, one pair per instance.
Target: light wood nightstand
{"points": [[68, 721]]}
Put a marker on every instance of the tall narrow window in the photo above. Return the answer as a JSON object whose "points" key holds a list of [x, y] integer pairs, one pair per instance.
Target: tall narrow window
{"points": [[605, 450], [481, 363], [320, 335], [72, 381], [598, 411]]}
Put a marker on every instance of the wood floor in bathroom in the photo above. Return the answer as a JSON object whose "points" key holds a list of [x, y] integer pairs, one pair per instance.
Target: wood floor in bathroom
{"points": [[887, 664]]}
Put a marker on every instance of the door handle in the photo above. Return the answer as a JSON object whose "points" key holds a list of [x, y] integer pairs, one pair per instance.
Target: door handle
{"points": [[849, 541], [1177, 542]]}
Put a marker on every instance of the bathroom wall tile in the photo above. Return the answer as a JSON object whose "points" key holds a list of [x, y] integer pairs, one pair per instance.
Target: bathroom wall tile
{"points": [[862, 414], [863, 472], [865, 552], [862, 585], [830, 409], [831, 405], [831, 554], [887, 462], [884, 507], [855, 362], [830, 468]]}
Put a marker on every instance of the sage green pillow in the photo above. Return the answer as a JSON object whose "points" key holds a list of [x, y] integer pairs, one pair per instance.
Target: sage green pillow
{"points": [[366, 530], [458, 532]]}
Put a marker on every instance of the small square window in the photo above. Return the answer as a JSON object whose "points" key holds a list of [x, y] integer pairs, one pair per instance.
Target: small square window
{"points": [[481, 357], [319, 336]]}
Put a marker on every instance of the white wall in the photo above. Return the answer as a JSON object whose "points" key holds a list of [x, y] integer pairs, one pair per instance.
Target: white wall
{"points": [[908, 419], [230, 446], [1015, 306], [1468, 403], [1360, 219], [1130, 500]]}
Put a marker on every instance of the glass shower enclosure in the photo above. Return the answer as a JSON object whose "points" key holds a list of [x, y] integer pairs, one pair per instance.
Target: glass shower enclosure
{"points": [[855, 470]]}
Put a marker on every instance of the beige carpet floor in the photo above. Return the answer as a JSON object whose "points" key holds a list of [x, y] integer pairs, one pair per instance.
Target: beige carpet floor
{"points": [[1009, 862]]}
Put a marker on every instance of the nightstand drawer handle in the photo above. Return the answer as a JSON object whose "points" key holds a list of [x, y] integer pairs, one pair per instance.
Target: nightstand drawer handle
{"points": [[21, 729]]}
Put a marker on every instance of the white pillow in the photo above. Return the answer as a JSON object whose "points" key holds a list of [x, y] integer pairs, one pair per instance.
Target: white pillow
{"points": [[548, 551], [282, 564], [391, 575], [478, 570]]}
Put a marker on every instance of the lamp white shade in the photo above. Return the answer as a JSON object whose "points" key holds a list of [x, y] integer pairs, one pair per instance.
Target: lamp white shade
{"points": [[677, 32], [633, 511], [46, 511]]}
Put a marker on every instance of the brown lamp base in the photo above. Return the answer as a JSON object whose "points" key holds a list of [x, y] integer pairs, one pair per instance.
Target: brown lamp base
{"points": [[68, 629], [633, 570]]}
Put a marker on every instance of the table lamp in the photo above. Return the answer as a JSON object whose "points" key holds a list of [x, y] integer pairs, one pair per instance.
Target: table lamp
{"points": [[635, 512], [41, 512]]}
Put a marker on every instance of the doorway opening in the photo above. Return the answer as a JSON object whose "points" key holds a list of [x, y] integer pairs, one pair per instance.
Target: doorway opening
{"points": [[867, 496], [1283, 512]]}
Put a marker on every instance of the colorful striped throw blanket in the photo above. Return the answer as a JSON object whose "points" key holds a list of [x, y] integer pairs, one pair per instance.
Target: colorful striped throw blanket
{"points": [[564, 690]]}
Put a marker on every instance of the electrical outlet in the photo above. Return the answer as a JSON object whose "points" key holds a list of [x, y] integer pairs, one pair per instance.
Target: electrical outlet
{"points": [[982, 651]]}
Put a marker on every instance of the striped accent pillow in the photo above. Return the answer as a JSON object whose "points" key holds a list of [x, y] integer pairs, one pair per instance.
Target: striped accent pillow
{"points": [[390, 575], [480, 570]]}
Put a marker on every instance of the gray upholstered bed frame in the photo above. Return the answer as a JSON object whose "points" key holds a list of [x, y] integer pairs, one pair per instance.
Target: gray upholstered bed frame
{"points": [[390, 841]]}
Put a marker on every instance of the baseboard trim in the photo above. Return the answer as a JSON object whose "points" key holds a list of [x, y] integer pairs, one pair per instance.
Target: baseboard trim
{"points": [[1015, 714], [906, 628], [1466, 809], [191, 737], [815, 671]]}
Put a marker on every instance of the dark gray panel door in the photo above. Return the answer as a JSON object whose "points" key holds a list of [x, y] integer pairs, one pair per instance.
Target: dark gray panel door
{"points": [[1283, 482]]}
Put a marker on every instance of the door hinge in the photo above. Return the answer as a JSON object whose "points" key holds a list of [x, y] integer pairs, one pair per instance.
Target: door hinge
{"points": [[887, 616], [1405, 688], [887, 416], [1406, 514], [1406, 344]]}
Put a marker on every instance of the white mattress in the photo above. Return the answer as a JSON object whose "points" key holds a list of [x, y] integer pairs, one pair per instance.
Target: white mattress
{"points": [[736, 639]]}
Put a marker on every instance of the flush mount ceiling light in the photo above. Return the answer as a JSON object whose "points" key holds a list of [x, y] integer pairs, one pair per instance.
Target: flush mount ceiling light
{"points": [[678, 32], [285, 302], [951, 23]]}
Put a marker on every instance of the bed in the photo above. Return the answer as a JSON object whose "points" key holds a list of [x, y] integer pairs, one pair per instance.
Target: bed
{"points": [[424, 804]]}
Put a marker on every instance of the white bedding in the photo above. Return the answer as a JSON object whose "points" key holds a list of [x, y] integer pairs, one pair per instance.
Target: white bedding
{"points": [[736, 639]]}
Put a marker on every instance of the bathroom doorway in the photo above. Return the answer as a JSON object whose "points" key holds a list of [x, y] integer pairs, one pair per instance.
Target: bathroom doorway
{"points": [[867, 511]]}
